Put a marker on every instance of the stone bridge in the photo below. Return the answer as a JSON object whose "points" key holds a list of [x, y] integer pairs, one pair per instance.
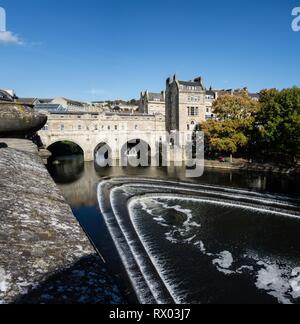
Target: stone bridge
{"points": [[92, 131]]}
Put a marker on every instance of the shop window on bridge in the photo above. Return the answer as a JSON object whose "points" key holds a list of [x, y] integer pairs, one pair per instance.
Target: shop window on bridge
{"points": [[79, 127], [116, 127], [108, 127], [62, 127]]}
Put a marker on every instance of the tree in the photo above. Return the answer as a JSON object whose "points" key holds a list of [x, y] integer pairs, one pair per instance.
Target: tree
{"points": [[231, 132], [236, 106], [278, 123], [227, 137]]}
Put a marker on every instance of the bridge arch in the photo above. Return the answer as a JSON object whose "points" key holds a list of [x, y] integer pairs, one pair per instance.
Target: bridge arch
{"points": [[136, 150], [65, 147], [103, 154]]}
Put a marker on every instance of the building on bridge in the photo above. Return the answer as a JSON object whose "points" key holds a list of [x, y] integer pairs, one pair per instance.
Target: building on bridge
{"points": [[152, 103]]}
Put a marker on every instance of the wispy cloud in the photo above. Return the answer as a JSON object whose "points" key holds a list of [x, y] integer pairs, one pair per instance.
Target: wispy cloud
{"points": [[7, 37]]}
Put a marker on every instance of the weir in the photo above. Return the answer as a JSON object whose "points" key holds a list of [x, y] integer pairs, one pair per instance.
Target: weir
{"points": [[173, 234]]}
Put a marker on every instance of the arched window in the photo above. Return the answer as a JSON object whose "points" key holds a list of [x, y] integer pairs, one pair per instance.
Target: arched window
{"points": [[62, 127], [79, 127]]}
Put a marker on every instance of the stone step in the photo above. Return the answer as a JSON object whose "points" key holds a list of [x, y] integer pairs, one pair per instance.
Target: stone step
{"points": [[20, 144]]}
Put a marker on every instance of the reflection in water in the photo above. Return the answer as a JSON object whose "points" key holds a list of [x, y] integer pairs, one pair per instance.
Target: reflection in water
{"points": [[67, 169], [78, 182]]}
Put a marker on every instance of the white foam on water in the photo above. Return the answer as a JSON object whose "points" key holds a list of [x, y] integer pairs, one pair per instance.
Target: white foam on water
{"points": [[136, 281], [295, 283], [274, 280], [224, 260], [165, 274], [277, 277], [4, 281], [244, 269], [152, 284], [270, 277], [252, 202], [246, 193], [201, 246]]}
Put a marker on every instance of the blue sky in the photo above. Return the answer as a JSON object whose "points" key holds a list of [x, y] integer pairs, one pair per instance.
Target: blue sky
{"points": [[116, 48]]}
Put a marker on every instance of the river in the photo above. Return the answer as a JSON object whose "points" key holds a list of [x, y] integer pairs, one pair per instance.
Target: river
{"points": [[227, 237]]}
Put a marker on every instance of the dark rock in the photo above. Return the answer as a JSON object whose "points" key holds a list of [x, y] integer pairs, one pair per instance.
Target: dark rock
{"points": [[18, 120]]}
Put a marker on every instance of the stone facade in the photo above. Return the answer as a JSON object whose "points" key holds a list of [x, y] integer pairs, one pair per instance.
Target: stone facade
{"points": [[185, 104], [152, 103]]}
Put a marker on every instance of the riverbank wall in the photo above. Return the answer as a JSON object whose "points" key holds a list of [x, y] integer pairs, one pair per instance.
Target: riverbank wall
{"points": [[257, 167], [45, 257]]}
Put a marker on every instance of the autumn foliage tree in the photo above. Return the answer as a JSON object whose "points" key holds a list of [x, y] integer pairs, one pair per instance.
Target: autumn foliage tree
{"points": [[231, 132], [227, 137], [235, 107]]}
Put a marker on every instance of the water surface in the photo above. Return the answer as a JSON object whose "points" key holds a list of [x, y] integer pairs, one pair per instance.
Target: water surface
{"points": [[203, 251]]}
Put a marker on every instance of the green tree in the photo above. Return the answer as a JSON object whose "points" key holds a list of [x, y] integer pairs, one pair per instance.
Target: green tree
{"points": [[279, 123]]}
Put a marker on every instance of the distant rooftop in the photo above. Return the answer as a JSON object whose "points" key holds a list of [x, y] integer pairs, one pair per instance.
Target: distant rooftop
{"points": [[50, 107]]}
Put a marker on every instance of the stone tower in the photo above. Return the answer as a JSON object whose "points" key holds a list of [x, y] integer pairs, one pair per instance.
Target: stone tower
{"points": [[185, 104]]}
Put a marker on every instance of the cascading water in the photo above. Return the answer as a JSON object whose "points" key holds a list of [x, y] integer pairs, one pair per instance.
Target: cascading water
{"points": [[188, 243]]}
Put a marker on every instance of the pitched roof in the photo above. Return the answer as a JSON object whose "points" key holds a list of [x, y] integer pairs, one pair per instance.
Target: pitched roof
{"points": [[192, 84], [153, 96]]}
